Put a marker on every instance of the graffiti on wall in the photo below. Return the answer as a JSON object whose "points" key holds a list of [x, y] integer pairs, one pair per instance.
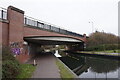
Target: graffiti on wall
{"points": [[16, 48], [16, 51]]}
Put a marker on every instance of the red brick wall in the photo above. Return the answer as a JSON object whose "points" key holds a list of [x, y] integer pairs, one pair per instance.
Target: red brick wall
{"points": [[4, 33], [0, 33], [29, 32], [16, 23]]}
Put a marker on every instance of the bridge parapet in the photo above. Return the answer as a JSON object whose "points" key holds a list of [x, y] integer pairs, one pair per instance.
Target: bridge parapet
{"points": [[47, 26], [40, 24], [3, 14]]}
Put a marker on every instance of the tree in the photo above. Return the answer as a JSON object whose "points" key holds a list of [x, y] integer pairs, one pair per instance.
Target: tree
{"points": [[102, 38]]}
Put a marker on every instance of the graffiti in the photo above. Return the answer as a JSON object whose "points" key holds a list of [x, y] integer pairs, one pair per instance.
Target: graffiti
{"points": [[15, 48], [15, 44], [18, 48], [16, 51]]}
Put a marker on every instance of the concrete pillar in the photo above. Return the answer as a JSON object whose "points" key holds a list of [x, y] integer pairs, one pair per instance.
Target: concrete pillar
{"points": [[34, 49]]}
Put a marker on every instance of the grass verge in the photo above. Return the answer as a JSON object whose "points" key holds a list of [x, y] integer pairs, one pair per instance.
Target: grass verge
{"points": [[106, 52], [26, 71], [111, 51], [64, 72]]}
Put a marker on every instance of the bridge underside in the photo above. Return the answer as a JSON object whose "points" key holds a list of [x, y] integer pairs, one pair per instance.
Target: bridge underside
{"points": [[52, 40]]}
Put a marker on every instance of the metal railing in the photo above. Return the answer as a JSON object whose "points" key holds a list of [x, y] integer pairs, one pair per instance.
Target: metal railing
{"points": [[47, 26], [40, 24], [3, 14]]}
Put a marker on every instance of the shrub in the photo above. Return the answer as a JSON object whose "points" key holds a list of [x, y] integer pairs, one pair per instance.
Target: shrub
{"points": [[10, 69], [10, 66], [103, 47]]}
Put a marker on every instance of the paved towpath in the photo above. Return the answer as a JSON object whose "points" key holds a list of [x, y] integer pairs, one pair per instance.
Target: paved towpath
{"points": [[46, 66], [102, 53], [113, 54]]}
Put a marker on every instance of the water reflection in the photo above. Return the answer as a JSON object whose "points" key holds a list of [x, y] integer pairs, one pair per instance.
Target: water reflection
{"points": [[102, 65], [91, 67]]}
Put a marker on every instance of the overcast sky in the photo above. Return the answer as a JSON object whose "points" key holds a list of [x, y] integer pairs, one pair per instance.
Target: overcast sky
{"points": [[73, 15]]}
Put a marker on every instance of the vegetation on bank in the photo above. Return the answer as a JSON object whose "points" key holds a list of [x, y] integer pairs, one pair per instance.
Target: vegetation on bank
{"points": [[26, 71], [107, 52], [111, 51], [11, 68], [64, 72], [101, 41], [103, 47]]}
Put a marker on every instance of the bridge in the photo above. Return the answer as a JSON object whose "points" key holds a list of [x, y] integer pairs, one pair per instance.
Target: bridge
{"points": [[25, 34]]}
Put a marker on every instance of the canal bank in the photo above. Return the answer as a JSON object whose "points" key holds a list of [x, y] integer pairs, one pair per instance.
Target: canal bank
{"points": [[99, 54], [65, 71], [89, 67]]}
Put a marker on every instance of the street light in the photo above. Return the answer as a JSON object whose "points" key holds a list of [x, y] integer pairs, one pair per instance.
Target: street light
{"points": [[92, 25]]}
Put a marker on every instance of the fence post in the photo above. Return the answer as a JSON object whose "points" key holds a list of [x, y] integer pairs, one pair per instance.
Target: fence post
{"points": [[50, 27], [2, 14], [37, 23], [25, 20]]}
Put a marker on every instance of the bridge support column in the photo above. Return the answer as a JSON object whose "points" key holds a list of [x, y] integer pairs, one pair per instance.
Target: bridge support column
{"points": [[15, 17], [16, 24], [34, 49]]}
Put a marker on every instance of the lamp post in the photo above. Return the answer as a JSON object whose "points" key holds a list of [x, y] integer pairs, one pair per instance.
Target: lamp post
{"points": [[92, 26]]}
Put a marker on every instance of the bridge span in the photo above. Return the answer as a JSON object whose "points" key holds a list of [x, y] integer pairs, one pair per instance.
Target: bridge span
{"points": [[27, 34]]}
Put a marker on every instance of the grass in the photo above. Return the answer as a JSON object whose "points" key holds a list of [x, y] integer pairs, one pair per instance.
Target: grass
{"points": [[106, 52], [26, 71], [111, 51], [64, 72]]}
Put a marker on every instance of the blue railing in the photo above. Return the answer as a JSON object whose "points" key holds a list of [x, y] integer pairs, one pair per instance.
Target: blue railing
{"points": [[47, 26], [3, 14]]}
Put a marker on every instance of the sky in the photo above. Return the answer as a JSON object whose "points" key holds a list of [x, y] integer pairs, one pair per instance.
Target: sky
{"points": [[73, 15]]}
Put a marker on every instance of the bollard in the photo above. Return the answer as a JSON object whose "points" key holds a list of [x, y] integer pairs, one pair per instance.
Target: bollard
{"points": [[34, 64]]}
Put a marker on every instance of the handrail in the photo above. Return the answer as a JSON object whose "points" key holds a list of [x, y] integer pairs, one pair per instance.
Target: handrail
{"points": [[48, 26], [40, 24], [3, 13], [43, 21]]}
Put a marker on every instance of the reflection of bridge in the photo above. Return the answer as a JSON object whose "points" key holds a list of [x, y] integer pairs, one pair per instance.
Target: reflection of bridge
{"points": [[27, 34]]}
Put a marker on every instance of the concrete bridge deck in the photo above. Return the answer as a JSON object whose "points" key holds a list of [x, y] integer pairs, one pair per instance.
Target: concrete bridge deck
{"points": [[46, 66]]}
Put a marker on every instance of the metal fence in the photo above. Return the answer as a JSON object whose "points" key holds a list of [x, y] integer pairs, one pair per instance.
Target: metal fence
{"points": [[47, 26], [40, 24], [3, 14]]}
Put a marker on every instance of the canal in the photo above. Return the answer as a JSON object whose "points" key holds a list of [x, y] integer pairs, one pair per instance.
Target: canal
{"points": [[90, 67]]}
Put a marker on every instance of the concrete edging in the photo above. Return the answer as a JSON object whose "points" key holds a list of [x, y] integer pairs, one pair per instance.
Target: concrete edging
{"points": [[68, 69]]}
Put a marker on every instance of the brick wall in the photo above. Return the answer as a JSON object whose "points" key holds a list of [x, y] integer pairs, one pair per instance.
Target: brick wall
{"points": [[14, 31], [29, 32]]}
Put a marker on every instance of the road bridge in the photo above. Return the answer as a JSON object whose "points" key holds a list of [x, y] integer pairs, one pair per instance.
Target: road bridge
{"points": [[25, 34]]}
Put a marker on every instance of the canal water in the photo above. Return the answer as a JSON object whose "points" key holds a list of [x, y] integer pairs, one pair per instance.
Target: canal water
{"points": [[87, 67]]}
